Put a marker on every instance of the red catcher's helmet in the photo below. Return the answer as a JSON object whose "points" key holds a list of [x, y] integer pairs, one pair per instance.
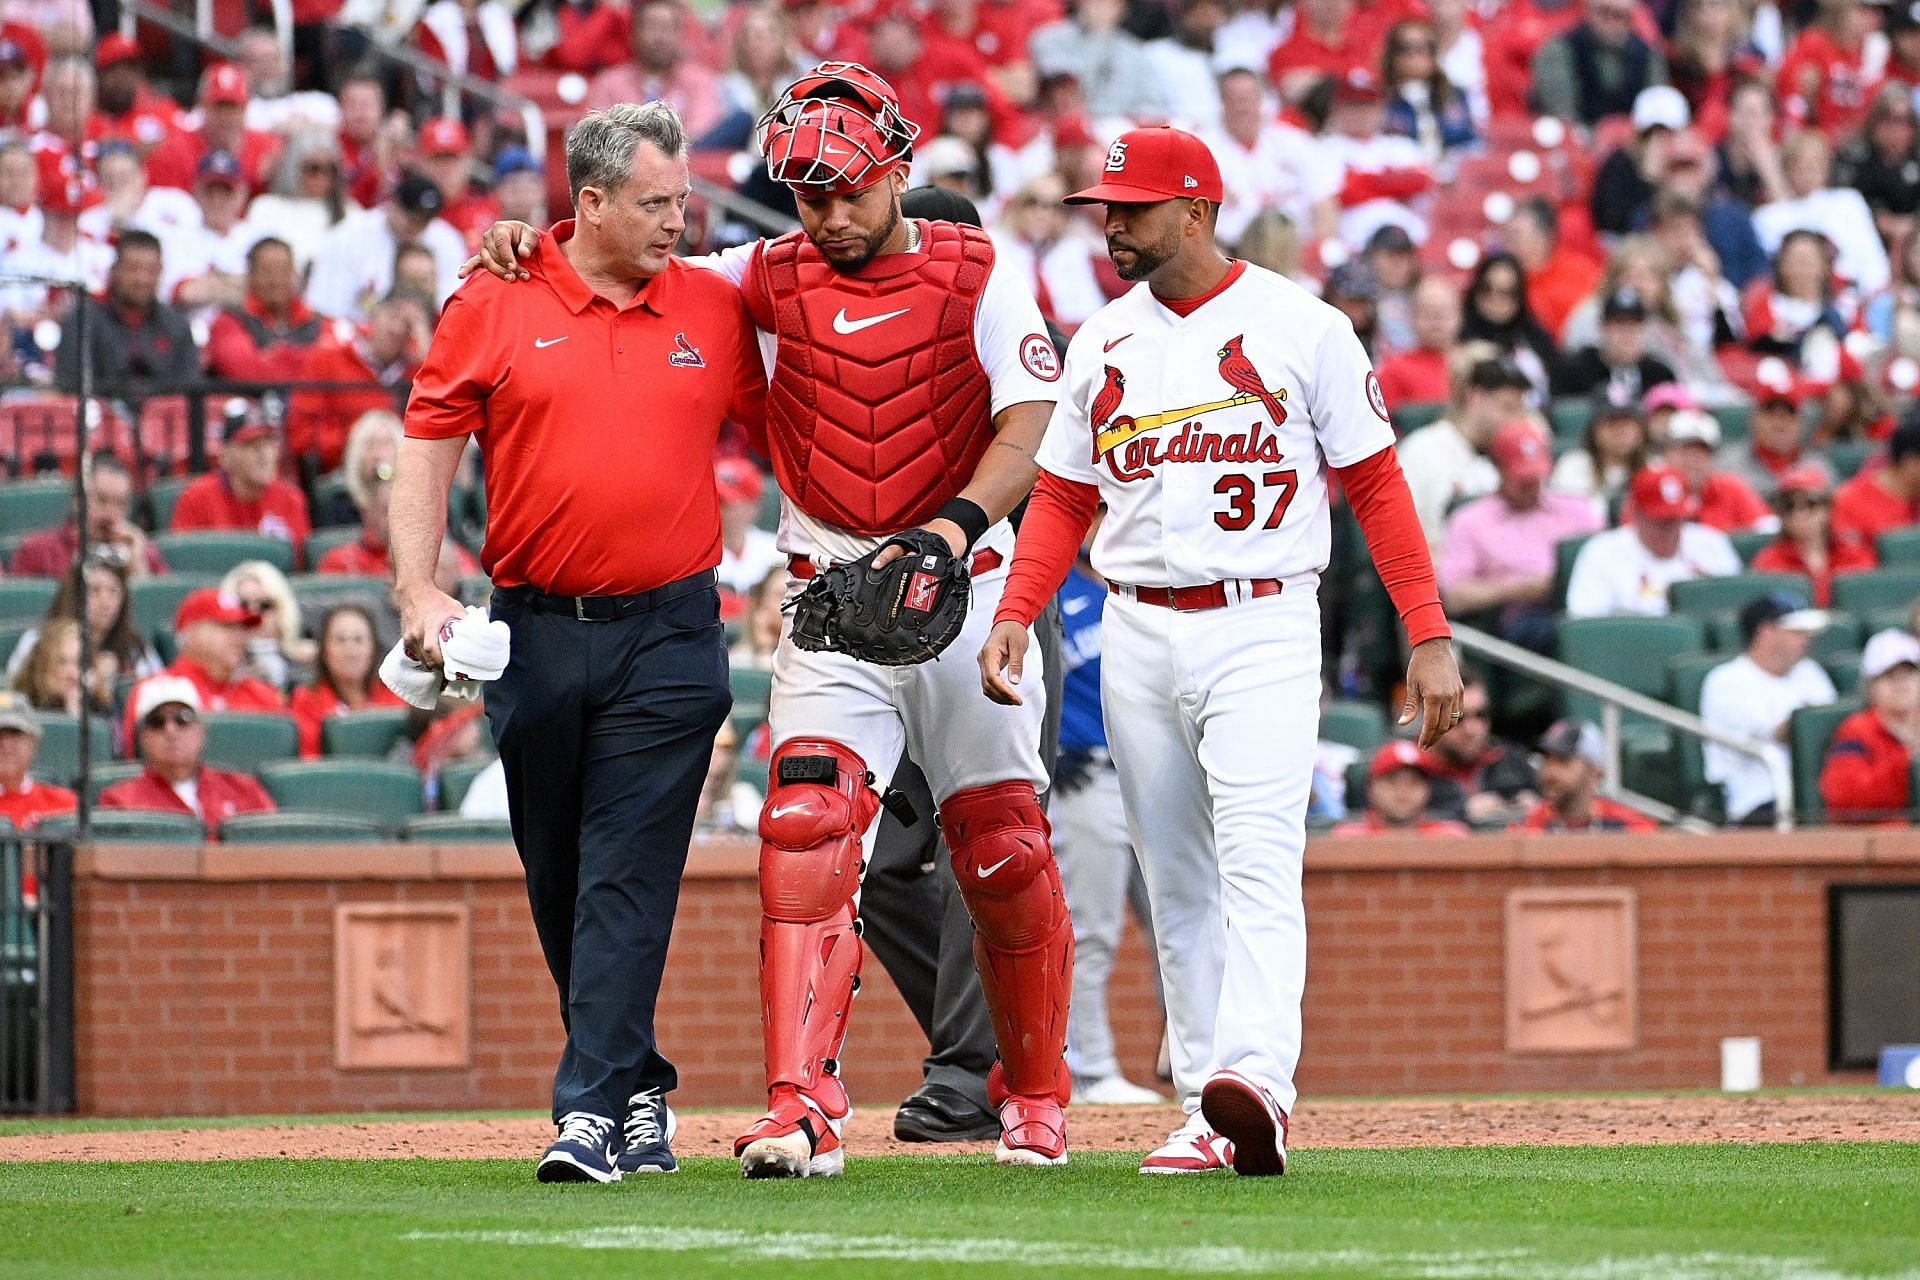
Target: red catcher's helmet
{"points": [[837, 128]]}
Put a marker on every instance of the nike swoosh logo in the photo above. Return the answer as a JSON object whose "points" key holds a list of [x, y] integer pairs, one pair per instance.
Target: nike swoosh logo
{"points": [[1116, 342], [540, 343], [782, 810], [1075, 606], [984, 872], [843, 325], [831, 150]]}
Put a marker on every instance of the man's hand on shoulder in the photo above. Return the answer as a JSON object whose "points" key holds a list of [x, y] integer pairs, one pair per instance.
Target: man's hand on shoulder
{"points": [[502, 248]]}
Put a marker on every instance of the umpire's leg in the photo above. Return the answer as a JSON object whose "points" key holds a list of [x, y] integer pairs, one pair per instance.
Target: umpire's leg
{"points": [[605, 732]]}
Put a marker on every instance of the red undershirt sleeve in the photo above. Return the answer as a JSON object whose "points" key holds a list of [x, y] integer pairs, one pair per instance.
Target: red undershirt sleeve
{"points": [[1058, 516], [1377, 491]]}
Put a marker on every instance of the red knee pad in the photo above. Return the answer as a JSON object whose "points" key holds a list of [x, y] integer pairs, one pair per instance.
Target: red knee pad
{"points": [[1003, 861], [818, 807]]}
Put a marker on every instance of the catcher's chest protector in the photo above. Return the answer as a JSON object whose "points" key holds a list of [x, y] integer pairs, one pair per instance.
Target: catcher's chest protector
{"points": [[874, 422]]}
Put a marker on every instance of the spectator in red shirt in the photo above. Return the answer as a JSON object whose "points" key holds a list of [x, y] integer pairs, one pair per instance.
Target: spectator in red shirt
{"points": [[1726, 502], [1419, 375], [370, 556], [246, 493], [1559, 279], [1824, 79], [16, 83], [1886, 496], [1398, 790], [662, 68], [172, 743], [1866, 777], [1572, 756], [343, 676], [1807, 544], [211, 629], [1326, 44], [266, 338], [132, 112], [367, 143], [223, 127], [590, 36], [446, 156], [110, 530], [1474, 775], [1776, 440], [384, 358], [24, 801]]}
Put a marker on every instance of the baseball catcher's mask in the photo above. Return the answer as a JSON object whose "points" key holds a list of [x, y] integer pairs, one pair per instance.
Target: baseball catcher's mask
{"points": [[836, 129]]}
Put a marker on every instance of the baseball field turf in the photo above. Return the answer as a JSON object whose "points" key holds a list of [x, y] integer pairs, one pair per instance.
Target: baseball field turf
{"points": [[1712, 1212]]}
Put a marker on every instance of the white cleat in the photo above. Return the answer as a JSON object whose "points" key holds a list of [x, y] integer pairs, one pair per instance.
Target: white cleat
{"points": [[1004, 1154], [790, 1155], [1115, 1091], [1192, 1148]]}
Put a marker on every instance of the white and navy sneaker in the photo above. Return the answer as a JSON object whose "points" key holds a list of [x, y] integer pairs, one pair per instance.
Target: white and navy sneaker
{"points": [[649, 1130], [584, 1151]]}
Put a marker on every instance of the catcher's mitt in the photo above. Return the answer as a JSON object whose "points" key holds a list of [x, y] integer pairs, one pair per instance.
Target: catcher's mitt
{"points": [[897, 616]]}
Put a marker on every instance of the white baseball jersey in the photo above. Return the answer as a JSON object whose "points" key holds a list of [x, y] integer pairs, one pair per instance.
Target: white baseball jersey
{"points": [[1209, 436]]}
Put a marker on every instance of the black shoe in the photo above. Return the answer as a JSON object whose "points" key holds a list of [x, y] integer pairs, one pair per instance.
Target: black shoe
{"points": [[936, 1113]]}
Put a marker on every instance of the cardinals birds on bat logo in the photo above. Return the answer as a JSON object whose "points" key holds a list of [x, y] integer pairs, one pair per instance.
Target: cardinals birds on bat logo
{"points": [[684, 354], [1105, 403], [1242, 376]]}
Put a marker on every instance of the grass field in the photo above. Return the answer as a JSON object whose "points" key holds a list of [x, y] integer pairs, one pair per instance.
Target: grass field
{"points": [[1814, 1211]]}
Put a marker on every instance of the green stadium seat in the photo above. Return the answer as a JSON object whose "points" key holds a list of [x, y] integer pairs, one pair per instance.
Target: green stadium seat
{"points": [[1733, 420], [1412, 417], [1702, 596], [370, 733], [1685, 675], [1877, 620], [387, 793], [41, 503], [456, 780], [1748, 545], [11, 634], [754, 769], [1899, 547], [1565, 552], [318, 592], [451, 828], [58, 758], [1877, 589], [105, 774], [1630, 651], [154, 600], [768, 517], [245, 740], [293, 826], [1846, 457], [165, 645], [325, 490], [1841, 636], [752, 692], [1360, 725], [322, 541], [163, 495], [26, 598], [215, 552], [1808, 731], [130, 825], [1569, 417], [476, 590], [1356, 781], [1844, 670]]}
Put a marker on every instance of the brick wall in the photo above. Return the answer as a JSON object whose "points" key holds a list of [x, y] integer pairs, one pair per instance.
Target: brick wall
{"points": [[205, 977]]}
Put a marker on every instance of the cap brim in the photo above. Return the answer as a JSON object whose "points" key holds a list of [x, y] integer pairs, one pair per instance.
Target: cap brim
{"points": [[1121, 193], [253, 431], [21, 723], [1807, 620]]}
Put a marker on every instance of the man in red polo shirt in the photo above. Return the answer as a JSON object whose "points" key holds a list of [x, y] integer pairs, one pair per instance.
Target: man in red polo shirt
{"points": [[223, 127], [603, 532], [371, 556], [246, 495], [1884, 496], [131, 111], [210, 630], [446, 156], [268, 335], [165, 714], [383, 357]]}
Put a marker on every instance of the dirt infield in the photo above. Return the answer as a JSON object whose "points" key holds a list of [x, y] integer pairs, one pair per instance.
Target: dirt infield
{"points": [[1888, 1117]]}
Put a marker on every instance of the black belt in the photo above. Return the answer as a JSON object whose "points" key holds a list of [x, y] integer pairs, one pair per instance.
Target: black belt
{"points": [[608, 608]]}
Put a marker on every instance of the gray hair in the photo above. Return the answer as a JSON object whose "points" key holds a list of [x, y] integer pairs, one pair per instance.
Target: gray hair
{"points": [[601, 147]]}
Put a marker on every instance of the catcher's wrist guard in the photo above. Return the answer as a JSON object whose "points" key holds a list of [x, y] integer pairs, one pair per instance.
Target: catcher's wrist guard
{"points": [[968, 515], [897, 615]]}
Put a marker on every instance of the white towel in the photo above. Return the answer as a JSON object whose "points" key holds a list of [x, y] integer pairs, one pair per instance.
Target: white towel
{"points": [[474, 648]]}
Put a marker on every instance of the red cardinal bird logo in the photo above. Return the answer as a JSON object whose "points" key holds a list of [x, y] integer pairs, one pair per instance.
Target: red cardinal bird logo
{"points": [[1242, 376], [1104, 403], [685, 355]]}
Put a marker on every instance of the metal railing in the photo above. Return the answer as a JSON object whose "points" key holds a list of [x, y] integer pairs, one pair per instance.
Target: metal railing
{"points": [[1616, 699], [36, 977]]}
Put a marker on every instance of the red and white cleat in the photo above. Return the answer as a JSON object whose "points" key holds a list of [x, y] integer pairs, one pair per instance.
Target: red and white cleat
{"points": [[1192, 1148], [1032, 1131], [795, 1139], [1247, 1116]]}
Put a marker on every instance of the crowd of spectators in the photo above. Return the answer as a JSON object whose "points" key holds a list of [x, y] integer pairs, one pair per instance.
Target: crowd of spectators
{"points": [[1647, 272]]}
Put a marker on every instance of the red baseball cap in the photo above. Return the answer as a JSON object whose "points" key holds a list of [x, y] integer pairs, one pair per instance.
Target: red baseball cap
{"points": [[223, 82], [210, 604], [444, 137], [1660, 493], [1146, 166], [1358, 85], [1805, 478], [114, 49], [737, 480], [1521, 451], [1398, 754]]}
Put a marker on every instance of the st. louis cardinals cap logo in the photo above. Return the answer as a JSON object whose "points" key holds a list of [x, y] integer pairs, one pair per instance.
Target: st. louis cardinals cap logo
{"points": [[1116, 157]]}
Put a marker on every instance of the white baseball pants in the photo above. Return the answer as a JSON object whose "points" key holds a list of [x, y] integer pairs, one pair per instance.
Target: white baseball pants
{"points": [[1212, 718]]}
